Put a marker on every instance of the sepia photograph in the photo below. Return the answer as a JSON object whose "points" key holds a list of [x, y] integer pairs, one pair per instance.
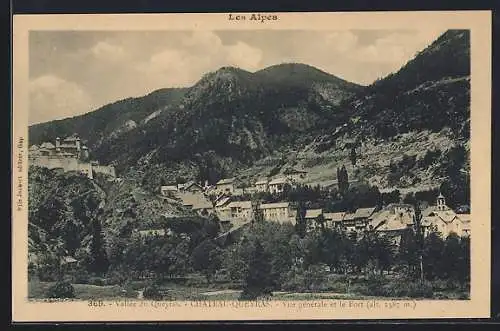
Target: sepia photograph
{"points": [[237, 167]]}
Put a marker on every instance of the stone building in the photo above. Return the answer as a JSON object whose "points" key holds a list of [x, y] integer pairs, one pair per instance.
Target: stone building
{"points": [[281, 212], [67, 154], [444, 220]]}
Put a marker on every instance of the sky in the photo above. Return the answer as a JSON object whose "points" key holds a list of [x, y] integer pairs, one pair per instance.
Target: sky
{"points": [[74, 72]]}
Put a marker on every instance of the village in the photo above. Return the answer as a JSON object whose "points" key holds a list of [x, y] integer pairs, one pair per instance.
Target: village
{"points": [[224, 200]]}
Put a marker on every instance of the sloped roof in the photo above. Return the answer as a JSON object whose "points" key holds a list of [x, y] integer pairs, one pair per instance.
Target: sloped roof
{"points": [[334, 217], [191, 184], [280, 180], [428, 220], [169, 188], [274, 205], [226, 181], [33, 148], [241, 204], [261, 181], [399, 205], [47, 145], [197, 200], [448, 215], [387, 221], [222, 202], [313, 213], [348, 217], [364, 212], [392, 225]]}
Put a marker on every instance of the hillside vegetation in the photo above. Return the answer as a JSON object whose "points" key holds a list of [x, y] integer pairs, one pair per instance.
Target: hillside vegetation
{"points": [[236, 123]]}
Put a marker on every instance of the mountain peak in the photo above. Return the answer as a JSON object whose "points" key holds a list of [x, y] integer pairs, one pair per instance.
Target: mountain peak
{"points": [[299, 73]]}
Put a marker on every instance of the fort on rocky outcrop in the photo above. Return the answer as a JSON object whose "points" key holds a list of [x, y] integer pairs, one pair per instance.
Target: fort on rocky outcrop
{"points": [[68, 154]]}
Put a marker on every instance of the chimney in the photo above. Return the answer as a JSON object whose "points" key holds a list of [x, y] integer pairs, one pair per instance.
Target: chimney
{"points": [[58, 142]]}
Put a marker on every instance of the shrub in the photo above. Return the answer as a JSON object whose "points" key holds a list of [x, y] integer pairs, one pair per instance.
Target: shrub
{"points": [[97, 281], [294, 282], [81, 277], [407, 289], [152, 292], [315, 276], [61, 290], [417, 290], [116, 278], [374, 285]]}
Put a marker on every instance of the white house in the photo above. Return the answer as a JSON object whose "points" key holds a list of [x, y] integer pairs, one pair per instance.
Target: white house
{"points": [[311, 217], [334, 219], [225, 185], [281, 212], [241, 209], [168, 189], [262, 185], [277, 185]]}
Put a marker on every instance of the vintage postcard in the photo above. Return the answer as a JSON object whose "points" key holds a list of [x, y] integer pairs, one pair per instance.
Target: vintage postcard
{"points": [[251, 166]]}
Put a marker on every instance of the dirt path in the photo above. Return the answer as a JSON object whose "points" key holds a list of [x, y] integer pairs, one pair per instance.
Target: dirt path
{"points": [[220, 292]]}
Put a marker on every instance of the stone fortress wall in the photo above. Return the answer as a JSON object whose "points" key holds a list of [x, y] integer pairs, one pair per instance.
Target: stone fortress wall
{"points": [[51, 157]]}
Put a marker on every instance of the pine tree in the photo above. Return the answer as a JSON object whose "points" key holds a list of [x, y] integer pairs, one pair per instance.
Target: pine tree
{"points": [[353, 156], [99, 260], [258, 280], [419, 239], [343, 180], [301, 225], [206, 258]]}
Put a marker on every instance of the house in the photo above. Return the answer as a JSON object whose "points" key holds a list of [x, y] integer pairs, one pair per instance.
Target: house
{"points": [[295, 175], [361, 217], [192, 187], [197, 201], [151, 233], [334, 219], [168, 189], [465, 218], [68, 264], [222, 208], [225, 185], [241, 210], [348, 222], [442, 219], [281, 212], [311, 217], [393, 221], [262, 185], [277, 185]]}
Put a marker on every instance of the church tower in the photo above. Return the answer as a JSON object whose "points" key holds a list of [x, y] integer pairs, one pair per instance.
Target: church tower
{"points": [[441, 203]]}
